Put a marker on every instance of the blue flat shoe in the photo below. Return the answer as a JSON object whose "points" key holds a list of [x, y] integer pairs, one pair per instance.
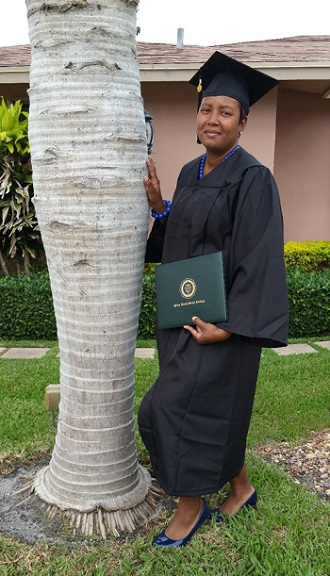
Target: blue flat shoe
{"points": [[166, 542], [252, 501]]}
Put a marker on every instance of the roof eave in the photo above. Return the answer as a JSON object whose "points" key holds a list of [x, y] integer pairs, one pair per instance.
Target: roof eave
{"points": [[14, 74], [183, 72], [279, 70]]}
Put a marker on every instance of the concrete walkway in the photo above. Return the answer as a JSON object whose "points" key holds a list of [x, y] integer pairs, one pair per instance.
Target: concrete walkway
{"points": [[27, 353], [301, 348]]}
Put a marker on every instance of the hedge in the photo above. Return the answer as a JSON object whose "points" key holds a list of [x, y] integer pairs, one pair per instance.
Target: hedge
{"points": [[308, 256], [309, 303], [148, 307], [26, 306]]}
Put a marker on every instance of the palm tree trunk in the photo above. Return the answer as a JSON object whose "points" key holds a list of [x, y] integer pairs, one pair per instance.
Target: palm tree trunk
{"points": [[3, 265], [26, 262], [88, 150]]}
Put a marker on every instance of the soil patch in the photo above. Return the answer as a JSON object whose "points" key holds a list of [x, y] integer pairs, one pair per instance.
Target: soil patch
{"points": [[24, 516]]}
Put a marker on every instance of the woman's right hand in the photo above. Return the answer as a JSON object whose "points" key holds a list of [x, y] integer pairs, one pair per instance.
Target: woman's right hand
{"points": [[206, 332], [152, 185]]}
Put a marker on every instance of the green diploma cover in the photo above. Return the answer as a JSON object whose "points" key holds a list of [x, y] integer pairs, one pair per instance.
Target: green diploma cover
{"points": [[192, 287]]}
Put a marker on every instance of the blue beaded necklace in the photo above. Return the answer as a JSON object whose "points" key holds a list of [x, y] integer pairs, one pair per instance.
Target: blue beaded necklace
{"points": [[203, 160]]}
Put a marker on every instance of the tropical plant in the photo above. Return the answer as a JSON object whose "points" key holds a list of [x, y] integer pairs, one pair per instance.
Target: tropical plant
{"points": [[19, 232], [88, 149], [13, 129]]}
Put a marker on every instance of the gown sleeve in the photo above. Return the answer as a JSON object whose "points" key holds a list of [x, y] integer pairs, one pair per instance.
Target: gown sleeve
{"points": [[155, 243], [257, 293]]}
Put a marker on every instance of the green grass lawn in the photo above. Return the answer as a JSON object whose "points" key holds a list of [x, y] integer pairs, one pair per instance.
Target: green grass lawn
{"points": [[287, 535]]}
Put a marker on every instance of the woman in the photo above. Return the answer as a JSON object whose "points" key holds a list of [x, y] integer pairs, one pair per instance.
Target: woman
{"points": [[194, 421]]}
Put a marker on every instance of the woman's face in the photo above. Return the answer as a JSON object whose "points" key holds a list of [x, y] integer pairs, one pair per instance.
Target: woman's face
{"points": [[218, 123]]}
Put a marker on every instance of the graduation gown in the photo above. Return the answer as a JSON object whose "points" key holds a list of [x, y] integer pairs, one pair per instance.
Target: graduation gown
{"points": [[194, 420]]}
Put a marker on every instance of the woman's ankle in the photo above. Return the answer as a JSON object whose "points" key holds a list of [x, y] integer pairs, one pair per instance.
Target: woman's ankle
{"points": [[185, 517]]}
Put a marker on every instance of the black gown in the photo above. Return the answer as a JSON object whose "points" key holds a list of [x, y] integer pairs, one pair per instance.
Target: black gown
{"points": [[194, 420]]}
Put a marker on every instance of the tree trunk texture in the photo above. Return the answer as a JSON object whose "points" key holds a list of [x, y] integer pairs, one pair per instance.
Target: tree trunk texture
{"points": [[88, 148], [3, 265]]}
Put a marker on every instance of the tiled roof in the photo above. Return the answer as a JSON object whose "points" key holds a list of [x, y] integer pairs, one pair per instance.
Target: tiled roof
{"points": [[296, 49], [13, 56], [300, 49]]}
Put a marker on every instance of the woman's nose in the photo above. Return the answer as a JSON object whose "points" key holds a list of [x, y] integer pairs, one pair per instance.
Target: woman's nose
{"points": [[213, 118]]}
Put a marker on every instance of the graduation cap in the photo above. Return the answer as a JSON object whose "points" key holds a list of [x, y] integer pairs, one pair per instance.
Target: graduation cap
{"points": [[224, 76]]}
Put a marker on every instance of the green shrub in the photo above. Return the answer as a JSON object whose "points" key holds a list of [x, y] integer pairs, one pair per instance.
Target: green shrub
{"points": [[26, 307], [309, 303], [149, 268], [309, 256], [147, 321]]}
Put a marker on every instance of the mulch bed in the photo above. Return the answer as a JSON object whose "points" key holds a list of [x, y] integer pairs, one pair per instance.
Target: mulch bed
{"points": [[306, 463]]}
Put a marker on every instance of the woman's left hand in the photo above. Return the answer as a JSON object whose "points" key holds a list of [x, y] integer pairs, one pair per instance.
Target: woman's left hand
{"points": [[207, 333]]}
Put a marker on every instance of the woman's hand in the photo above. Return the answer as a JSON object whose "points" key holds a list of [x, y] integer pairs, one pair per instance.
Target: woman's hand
{"points": [[153, 188], [207, 333]]}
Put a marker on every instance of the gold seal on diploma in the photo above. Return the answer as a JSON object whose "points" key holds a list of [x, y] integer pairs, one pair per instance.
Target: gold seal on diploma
{"points": [[188, 288]]}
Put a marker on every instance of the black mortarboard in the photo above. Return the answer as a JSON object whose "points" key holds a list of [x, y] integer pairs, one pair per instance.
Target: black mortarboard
{"points": [[224, 76]]}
